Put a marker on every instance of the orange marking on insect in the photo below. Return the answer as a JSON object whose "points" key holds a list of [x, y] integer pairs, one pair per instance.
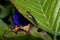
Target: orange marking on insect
{"points": [[16, 29], [25, 28]]}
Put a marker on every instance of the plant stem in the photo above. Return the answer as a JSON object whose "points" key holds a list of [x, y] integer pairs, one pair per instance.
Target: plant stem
{"points": [[55, 36]]}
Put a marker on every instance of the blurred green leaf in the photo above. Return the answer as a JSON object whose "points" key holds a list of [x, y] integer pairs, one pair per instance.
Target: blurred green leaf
{"points": [[3, 27], [2, 24], [46, 13], [4, 11], [42, 34]]}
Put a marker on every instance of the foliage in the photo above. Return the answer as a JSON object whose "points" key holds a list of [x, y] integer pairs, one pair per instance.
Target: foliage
{"points": [[45, 12]]}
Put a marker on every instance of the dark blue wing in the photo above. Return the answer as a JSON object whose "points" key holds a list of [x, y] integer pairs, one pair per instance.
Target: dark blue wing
{"points": [[19, 19], [16, 18]]}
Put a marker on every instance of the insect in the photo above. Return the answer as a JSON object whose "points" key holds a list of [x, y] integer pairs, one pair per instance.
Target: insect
{"points": [[20, 24]]}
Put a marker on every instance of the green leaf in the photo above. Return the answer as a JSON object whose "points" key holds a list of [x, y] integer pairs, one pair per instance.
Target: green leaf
{"points": [[4, 11], [3, 27], [42, 34], [46, 13], [2, 24]]}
